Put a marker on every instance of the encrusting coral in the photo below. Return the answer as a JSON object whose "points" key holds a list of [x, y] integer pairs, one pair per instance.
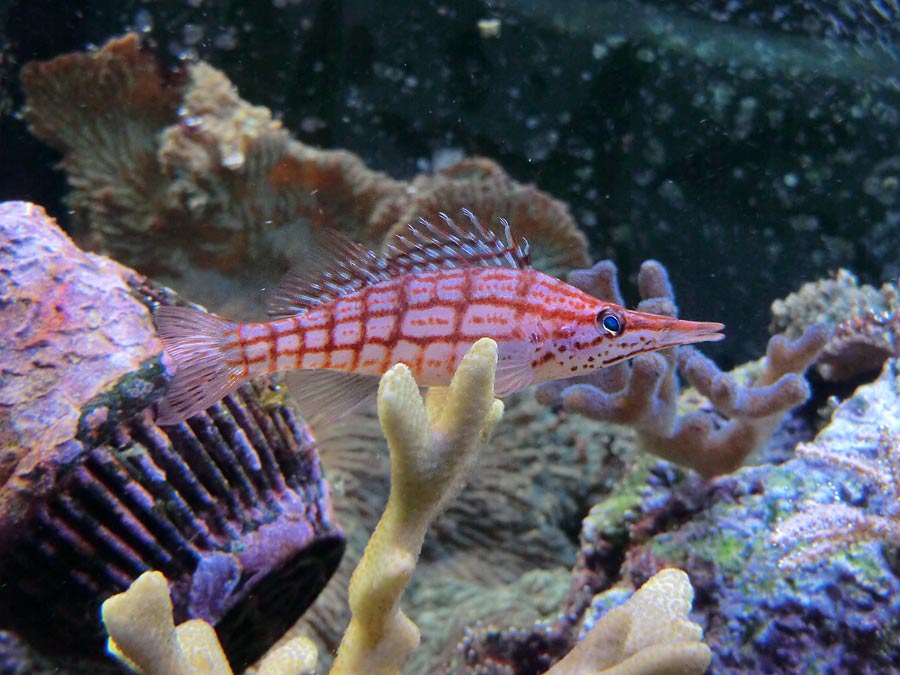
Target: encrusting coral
{"points": [[866, 323], [644, 392]]}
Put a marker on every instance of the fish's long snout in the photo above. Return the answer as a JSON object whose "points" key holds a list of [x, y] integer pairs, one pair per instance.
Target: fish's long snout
{"points": [[665, 331]]}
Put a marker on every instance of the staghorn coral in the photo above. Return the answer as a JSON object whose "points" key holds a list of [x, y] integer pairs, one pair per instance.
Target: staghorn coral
{"points": [[821, 530], [231, 506], [144, 635], [514, 518], [650, 634], [433, 445], [644, 393]]}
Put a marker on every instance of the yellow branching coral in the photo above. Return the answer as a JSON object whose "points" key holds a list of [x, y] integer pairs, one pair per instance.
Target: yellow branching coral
{"points": [[648, 635], [143, 635], [433, 443]]}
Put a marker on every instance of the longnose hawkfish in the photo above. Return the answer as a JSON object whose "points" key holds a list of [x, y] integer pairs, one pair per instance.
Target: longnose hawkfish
{"points": [[351, 314]]}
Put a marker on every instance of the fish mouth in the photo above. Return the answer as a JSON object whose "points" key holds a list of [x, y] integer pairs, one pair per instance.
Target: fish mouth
{"points": [[664, 331]]}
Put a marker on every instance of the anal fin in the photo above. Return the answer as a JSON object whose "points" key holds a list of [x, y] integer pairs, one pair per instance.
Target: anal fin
{"points": [[325, 396]]}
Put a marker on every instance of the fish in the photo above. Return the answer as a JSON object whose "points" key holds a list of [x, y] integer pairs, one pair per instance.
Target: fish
{"points": [[348, 314]]}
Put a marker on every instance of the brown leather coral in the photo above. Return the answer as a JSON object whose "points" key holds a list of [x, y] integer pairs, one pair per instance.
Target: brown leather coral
{"points": [[481, 186], [169, 172]]}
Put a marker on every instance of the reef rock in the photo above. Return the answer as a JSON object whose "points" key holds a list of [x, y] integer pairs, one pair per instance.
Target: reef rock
{"points": [[759, 614]]}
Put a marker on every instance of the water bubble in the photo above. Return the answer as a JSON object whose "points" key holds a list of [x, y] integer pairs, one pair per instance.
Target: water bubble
{"points": [[672, 193], [191, 34], [226, 40]]}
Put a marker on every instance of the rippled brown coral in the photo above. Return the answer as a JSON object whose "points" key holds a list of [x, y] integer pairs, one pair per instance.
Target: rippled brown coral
{"points": [[103, 111], [177, 175], [250, 190], [171, 173], [481, 186]]}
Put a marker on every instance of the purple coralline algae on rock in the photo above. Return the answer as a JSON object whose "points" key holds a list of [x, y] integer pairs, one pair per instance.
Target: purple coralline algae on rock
{"points": [[231, 505], [834, 615]]}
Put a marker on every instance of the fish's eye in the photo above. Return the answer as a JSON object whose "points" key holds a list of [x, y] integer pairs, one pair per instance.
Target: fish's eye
{"points": [[610, 322]]}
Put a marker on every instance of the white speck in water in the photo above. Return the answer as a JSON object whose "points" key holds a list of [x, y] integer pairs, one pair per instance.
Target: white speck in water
{"points": [[191, 34], [143, 21], [646, 55], [791, 180], [233, 160], [673, 194], [444, 157], [226, 40], [489, 28]]}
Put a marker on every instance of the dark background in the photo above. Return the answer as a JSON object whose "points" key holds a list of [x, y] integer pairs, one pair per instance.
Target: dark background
{"points": [[747, 147]]}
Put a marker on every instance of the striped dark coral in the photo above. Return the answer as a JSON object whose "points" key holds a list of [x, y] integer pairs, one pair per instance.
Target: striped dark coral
{"points": [[231, 505]]}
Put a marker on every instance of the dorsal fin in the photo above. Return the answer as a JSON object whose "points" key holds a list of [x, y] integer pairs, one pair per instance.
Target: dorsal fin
{"points": [[429, 247], [337, 266], [333, 266]]}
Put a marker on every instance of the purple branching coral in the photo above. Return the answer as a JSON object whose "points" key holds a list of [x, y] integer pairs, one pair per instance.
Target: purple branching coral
{"points": [[823, 529], [644, 392]]}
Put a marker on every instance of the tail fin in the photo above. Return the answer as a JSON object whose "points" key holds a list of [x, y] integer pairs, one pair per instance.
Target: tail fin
{"points": [[202, 354]]}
